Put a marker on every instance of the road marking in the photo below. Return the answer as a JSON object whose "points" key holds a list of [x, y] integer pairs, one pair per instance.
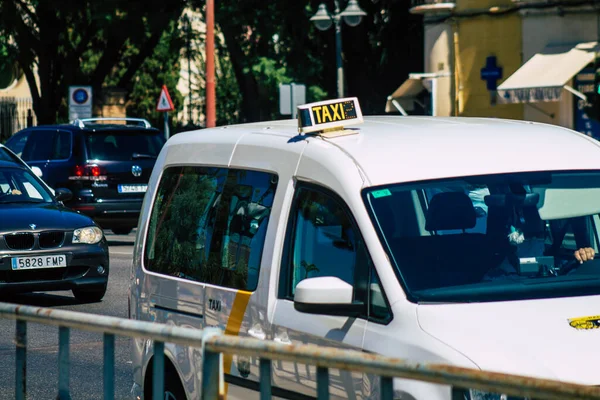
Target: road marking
{"points": [[122, 253]]}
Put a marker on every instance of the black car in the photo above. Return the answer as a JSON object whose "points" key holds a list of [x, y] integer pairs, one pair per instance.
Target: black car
{"points": [[44, 245], [106, 166]]}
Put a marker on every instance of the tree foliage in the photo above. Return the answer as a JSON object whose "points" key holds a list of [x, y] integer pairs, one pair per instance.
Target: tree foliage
{"points": [[274, 42], [136, 45], [161, 68], [72, 42]]}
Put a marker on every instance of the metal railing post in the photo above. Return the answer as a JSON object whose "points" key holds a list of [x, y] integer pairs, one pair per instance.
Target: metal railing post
{"points": [[212, 368], [387, 388], [265, 378], [158, 372], [21, 360], [211, 365], [64, 363], [109, 366], [322, 383]]}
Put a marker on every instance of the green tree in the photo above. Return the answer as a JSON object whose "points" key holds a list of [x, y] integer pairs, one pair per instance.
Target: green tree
{"points": [[162, 67], [274, 42], [82, 42]]}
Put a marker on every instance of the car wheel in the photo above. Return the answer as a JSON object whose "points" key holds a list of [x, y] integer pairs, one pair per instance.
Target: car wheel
{"points": [[90, 294], [121, 231], [173, 390]]}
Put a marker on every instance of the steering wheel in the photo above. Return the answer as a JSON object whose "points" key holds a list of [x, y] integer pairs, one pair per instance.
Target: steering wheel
{"points": [[571, 265]]}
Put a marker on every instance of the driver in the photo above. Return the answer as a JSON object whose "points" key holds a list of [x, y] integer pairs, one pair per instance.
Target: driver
{"points": [[578, 225], [521, 233]]}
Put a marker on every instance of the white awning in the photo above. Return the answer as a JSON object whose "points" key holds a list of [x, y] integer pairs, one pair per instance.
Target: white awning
{"points": [[405, 95], [543, 77]]}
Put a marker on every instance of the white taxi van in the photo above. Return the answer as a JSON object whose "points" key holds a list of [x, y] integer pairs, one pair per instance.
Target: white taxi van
{"points": [[436, 240]]}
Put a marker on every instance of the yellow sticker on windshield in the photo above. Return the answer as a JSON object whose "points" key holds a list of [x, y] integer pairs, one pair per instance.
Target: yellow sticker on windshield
{"points": [[585, 323]]}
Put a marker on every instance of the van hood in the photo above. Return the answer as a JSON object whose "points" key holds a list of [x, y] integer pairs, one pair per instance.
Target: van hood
{"points": [[534, 337]]}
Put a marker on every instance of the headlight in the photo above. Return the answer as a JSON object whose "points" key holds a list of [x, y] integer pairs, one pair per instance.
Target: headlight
{"points": [[89, 235]]}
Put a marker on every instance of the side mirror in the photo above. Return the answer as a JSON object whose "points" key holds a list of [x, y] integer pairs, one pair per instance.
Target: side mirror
{"points": [[63, 194], [326, 295], [37, 171]]}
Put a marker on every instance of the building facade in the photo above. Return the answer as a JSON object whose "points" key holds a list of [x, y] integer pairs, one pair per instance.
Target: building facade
{"points": [[517, 59]]}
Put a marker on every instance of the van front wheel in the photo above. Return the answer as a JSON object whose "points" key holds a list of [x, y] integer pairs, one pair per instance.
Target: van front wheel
{"points": [[173, 389]]}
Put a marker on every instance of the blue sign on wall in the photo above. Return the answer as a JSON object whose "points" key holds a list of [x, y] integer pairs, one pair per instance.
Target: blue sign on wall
{"points": [[584, 82], [491, 73]]}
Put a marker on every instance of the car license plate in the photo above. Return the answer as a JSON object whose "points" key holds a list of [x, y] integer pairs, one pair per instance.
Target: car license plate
{"points": [[53, 261], [141, 188]]}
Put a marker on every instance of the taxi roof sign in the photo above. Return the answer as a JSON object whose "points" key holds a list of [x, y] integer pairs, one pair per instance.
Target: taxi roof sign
{"points": [[329, 115]]}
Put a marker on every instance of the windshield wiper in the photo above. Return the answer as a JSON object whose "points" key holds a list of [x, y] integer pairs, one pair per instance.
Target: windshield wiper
{"points": [[135, 156]]}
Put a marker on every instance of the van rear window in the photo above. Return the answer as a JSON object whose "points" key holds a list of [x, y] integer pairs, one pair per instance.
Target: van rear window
{"points": [[209, 225], [123, 146]]}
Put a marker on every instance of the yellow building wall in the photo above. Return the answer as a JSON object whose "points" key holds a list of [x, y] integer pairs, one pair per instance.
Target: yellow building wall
{"points": [[477, 38], [20, 89]]}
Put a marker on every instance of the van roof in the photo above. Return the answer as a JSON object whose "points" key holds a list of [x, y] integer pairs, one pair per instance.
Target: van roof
{"points": [[402, 149]]}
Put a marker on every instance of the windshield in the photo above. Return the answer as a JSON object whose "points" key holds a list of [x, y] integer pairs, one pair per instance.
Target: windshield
{"points": [[123, 146], [491, 238], [20, 186]]}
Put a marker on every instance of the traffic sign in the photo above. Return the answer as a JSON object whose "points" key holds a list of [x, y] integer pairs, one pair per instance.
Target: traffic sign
{"points": [[164, 101], [290, 97], [80, 102]]}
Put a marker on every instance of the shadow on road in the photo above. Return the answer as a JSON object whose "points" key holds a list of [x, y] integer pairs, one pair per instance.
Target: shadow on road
{"points": [[40, 299], [113, 242]]}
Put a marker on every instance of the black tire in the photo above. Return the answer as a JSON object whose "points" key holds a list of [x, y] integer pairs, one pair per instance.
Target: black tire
{"points": [[91, 294], [173, 389], [121, 231]]}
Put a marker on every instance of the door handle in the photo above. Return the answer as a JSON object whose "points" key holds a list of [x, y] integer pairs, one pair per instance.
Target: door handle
{"points": [[257, 333], [282, 340]]}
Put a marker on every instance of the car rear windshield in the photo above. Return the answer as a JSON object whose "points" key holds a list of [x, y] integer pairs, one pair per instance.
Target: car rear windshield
{"points": [[123, 145]]}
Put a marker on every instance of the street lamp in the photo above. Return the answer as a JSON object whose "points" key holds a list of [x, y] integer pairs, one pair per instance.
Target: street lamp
{"points": [[323, 20]]}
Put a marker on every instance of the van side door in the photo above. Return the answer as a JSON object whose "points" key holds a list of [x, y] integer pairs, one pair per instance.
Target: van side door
{"points": [[176, 257], [322, 239]]}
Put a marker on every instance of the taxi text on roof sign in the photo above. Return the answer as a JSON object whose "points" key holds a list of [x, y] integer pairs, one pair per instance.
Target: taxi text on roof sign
{"points": [[329, 115]]}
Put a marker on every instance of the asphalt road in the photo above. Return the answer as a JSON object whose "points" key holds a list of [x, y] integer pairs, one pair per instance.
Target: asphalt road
{"points": [[86, 348]]}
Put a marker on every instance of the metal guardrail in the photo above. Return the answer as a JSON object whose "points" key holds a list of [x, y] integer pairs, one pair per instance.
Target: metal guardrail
{"points": [[16, 113], [213, 344]]}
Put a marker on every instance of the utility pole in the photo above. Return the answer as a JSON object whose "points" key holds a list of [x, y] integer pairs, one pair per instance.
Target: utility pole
{"points": [[338, 50], [189, 60], [210, 64]]}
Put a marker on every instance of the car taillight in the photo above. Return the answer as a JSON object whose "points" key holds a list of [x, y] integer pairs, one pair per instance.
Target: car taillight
{"points": [[95, 171], [88, 173], [78, 171]]}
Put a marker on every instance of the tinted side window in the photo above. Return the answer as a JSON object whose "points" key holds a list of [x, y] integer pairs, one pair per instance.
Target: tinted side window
{"points": [[324, 241], [209, 225], [17, 142], [39, 146], [62, 146]]}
